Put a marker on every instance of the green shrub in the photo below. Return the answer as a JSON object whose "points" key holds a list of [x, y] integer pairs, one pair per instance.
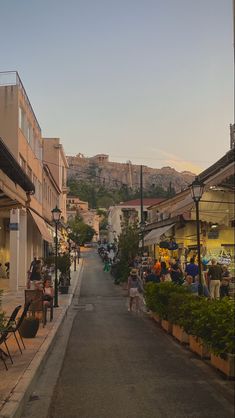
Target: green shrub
{"points": [[190, 312], [210, 320], [176, 305], [157, 296], [64, 263], [215, 326]]}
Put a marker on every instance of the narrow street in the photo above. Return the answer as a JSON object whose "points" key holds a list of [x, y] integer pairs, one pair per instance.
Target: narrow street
{"points": [[122, 365]]}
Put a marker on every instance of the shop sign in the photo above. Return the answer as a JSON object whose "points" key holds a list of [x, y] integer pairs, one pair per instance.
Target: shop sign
{"points": [[14, 226], [170, 245]]}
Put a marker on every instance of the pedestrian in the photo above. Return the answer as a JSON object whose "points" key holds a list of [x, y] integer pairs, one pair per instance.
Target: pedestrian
{"points": [[157, 267], [193, 286], [176, 272], [151, 277], [48, 292], [215, 276], [36, 275], [106, 263], [192, 269], [165, 274], [134, 289], [224, 285], [2, 272], [7, 265]]}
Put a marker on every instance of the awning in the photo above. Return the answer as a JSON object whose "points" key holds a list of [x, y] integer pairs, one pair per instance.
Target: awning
{"points": [[154, 236], [10, 166], [41, 224], [216, 207]]}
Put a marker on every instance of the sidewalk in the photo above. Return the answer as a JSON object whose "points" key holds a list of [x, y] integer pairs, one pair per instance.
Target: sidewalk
{"points": [[16, 383]]}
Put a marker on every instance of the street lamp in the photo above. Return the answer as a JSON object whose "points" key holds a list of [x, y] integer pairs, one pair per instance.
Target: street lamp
{"points": [[196, 192], [69, 230], [56, 214], [142, 229]]}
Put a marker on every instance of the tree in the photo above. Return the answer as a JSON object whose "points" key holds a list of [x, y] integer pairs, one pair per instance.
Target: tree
{"points": [[81, 232], [128, 246]]}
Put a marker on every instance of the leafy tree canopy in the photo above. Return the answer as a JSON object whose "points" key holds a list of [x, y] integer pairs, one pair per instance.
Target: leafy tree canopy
{"points": [[81, 232], [99, 196]]}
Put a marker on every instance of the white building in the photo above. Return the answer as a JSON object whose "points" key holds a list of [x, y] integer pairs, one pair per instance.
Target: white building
{"points": [[131, 211]]}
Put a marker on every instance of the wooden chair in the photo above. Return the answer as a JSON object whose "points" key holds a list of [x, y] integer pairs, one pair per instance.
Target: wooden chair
{"points": [[37, 305]]}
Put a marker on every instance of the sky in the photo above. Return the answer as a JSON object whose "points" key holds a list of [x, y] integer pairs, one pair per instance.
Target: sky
{"points": [[149, 81]]}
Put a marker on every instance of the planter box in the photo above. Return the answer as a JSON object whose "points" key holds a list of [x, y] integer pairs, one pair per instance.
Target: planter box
{"points": [[226, 366], [179, 333], [155, 317], [166, 325], [197, 347]]}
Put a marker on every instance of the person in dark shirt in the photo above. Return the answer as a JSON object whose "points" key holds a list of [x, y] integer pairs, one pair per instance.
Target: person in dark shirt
{"points": [[192, 269], [151, 277], [176, 273], [215, 276], [224, 285]]}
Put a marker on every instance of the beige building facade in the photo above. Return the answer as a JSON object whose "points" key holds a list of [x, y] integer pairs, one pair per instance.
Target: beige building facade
{"points": [[21, 134]]}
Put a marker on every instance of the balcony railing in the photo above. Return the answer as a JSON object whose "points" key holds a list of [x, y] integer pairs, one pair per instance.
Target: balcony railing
{"points": [[12, 78]]}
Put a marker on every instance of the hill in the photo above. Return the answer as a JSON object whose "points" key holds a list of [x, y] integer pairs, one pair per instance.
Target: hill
{"points": [[103, 183]]}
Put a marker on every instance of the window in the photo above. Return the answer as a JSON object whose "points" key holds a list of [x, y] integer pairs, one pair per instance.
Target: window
{"points": [[29, 172], [22, 162]]}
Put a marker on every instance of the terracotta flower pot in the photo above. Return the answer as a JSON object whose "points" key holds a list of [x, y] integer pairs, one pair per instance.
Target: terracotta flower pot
{"points": [[196, 345], [155, 317], [166, 325], [179, 333], [226, 366]]}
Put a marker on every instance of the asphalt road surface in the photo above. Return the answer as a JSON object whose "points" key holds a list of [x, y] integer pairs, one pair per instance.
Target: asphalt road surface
{"points": [[123, 365]]}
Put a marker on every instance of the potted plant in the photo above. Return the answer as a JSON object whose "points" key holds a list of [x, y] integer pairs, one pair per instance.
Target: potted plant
{"points": [[63, 263], [157, 297], [175, 312], [217, 332], [190, 319], [30, 324]]}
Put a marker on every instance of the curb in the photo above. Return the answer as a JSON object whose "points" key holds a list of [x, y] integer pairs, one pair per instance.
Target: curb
{"points": [[24, 387]]}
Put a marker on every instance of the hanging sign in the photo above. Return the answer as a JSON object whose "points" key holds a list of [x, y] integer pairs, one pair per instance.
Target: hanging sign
{"points": [[14, 226]]}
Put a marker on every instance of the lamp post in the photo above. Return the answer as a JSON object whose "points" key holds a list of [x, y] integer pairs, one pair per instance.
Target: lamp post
{"points": [[142, 229], [69, 243], [56, 214], [196, 192]]}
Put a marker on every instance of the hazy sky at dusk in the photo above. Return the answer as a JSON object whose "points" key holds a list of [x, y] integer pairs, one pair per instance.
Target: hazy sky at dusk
{"points": [[149, 81]]}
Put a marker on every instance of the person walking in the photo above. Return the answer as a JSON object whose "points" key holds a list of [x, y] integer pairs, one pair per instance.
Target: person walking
{"points": [[215, 276], [134, 290], [106, 262]]}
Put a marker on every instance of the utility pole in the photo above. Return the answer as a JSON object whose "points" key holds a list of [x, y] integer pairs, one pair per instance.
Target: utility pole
{"points": [[141, 209]]}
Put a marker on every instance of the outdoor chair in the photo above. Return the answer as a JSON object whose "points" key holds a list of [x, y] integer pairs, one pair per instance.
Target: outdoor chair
{"points": [[4, 334], [14, 328], [35, 297]]}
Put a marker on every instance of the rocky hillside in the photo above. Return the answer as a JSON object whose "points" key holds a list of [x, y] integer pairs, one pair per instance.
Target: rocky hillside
{"points": [[100, 171]]}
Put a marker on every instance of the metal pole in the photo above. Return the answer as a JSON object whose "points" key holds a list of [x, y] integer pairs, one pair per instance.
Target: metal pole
{"points": [[69, 259], [56, 266], [200, 288], [75, 258], [141, 207]]}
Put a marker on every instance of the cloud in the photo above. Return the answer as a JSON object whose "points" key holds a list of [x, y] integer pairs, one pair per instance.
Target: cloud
{"points": [[176, 162]]}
